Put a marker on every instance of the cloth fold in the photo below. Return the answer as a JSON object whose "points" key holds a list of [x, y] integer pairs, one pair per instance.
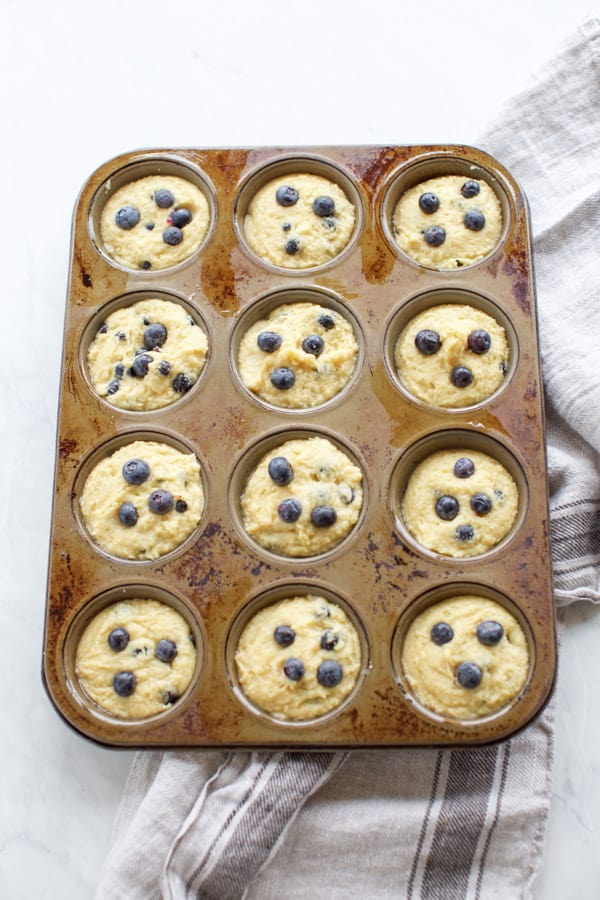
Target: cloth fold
{"points": [[417, 823]]}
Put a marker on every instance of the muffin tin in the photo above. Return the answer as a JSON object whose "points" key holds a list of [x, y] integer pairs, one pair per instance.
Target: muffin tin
{"points": [[378, 574]]}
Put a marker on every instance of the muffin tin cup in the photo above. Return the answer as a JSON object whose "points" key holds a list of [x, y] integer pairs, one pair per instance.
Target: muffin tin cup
{"points": [[378, 571]]}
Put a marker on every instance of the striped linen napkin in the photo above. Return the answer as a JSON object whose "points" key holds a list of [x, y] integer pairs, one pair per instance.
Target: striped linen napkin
{"points": [[415, 823]]}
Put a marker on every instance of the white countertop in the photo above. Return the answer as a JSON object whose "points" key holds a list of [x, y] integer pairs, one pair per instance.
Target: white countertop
{"points": [[80, 86]]}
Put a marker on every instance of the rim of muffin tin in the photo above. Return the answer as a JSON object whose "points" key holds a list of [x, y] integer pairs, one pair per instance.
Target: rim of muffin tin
{"points": [[263, 306], [124, 301], [296, 164], [84, 616], [247, 461], [446, 592], [448, 439], [436, 164], [150, 164], [418, 303], [105, 449], [268, 596]]}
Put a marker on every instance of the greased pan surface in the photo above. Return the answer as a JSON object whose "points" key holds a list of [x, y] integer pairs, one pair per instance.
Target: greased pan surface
{"points": [[379, 575]]}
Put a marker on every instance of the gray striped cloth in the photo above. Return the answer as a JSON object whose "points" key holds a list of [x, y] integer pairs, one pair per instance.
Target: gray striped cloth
{"points": [[416, 823]]}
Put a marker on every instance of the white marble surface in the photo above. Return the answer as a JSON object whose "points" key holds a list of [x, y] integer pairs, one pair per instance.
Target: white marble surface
{"points": [[80, 84]]}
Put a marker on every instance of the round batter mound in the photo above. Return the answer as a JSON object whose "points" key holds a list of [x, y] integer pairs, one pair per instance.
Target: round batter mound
{"points": [[143, 500], [154, 222], [299, 658], [299, 221], [303, 498], [465, 657], [448, 222], [136, 658], [146, 355], [300, 356], [460, 502], [452, 355]]}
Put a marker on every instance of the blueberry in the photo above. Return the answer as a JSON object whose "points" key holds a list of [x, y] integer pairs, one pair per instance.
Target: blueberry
{"points": [[479, 341], [154, 336], [461, 377], [172, 235], [146, 264], [464, 467], [323, 516], [294, 668], [283, 379], [326, 321], [289, 510], [287, 226], [469, 675], [286, 195], [119, 370], [118, 639], [124, 684], [329, 222], [313, 344], [292, 246], [434, 236], [164, 198], [481, 504], [489, 632], [429, 203], [128, 514], [427, 342], [127, 217], [180, 506], [470, 189], [149, 226], [136, 471], [447, 507], [103, 328], [465, 533], [441, 633], [269, 341], [474, 220], [140, 365], [121, 335], [182, 383], [164, 367], [166, 650], [280, 470], [323, 206], [160, 502], [329, 673], [180, 217], [284, 635], [329, 640], [113, 387], [169, 698]]}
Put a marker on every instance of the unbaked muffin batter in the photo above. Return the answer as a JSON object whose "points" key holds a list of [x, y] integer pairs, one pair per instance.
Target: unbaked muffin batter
{"points": [[136, 658], [299, 221], [460, 502], [448, 222], [146, 355], [299, 356], [465, 657], [452, 355], [299, 658], [154, 222], [143, 500], [303, 498]]}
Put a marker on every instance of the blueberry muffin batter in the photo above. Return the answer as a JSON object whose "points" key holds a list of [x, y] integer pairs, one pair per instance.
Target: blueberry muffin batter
{"points": [[448, 222], [136, 658], [154, 222], [465, 657], [452, 355], [299, 221], [460, 503], [303, 498], [146, 355], [143, 500], [300, 356], [299, 658]]}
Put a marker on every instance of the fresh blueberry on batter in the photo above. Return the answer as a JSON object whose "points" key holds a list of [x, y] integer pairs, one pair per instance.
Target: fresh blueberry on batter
{"points": [[136, 471], [294, 668], [313, 344], [427, 342], [269, 341], [441, 633], [469, 675], [284, 635], [326, 321], [329, 640], [164, 367], [465, 533], [164, 198], [289, 510], [154, 336], [479, 341], [464, 467], [141, 364], [461, 377], [172, 235], [127, 217], [323, 206], [161, 502], [329, 673], [292, 246], [481, 504], [128, 514], [286, 195], [434, 236], [447, 507], [166, 650], [470, 189], [283, 378], [490, 632], [180, 217], [124, 684], [180, 506], [118, 639], [280, 470], [429, 203], [182, 383], [323, 516], [474, 220], [113, 387]]}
